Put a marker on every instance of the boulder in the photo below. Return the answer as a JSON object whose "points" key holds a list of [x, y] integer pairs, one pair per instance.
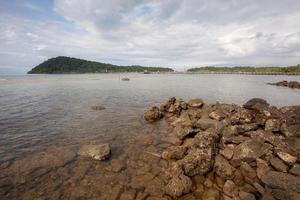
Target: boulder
{"points": [[278, 164], [256, 104], [97, 152], [153, 114], [195, 103], [248, 151]]}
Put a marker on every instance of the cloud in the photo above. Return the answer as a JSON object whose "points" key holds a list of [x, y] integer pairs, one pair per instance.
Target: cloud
{"points": [[175, 33]]}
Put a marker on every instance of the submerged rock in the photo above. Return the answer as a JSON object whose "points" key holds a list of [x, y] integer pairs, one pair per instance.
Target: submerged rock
{"points": [[153, 114], [97, 152]]}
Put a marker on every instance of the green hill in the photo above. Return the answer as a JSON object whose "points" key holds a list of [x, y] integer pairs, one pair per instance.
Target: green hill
{"points": [[291, 69], [67, 65]]}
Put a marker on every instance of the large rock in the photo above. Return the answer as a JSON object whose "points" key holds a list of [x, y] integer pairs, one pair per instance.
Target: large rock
{"points": [[97, 152], [200, 156], [248, 151], [256, 104], [153, 114], [280, 180], [272, 125], [179, 183]]}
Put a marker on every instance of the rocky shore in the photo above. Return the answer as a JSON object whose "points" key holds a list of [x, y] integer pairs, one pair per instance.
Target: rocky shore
{"points": [[224, 151], [291, 84]]}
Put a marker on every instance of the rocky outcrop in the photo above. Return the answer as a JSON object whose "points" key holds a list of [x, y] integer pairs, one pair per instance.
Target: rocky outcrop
{"points": [[290, 84], [153, 114], [97, 152], [223, 151]]}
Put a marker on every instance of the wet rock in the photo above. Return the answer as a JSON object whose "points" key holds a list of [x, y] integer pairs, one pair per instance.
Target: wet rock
{"points": [[141, 181], [182, 132], [211, 194], [116, 192], [223, 168], [286, 157], [280, 180], [272, 125], [165, 107], [295, 170], [97, 152], [174, 152], [217, 115], [153, 114], [205, 123], [228, 151], [195, 103], [248, 151], [172, 140], [117, 165], [256, 104], [278, 164], [179, 183]]}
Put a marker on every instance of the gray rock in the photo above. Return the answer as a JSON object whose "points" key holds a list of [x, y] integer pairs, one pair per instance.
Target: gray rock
{"points": [[97, 152], [256, 104], [195, 103]]}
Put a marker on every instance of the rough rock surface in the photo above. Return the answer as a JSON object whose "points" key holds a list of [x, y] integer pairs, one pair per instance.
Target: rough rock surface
{"points": [[224, 151], [97, 152], [291, 84], [153, 114]]}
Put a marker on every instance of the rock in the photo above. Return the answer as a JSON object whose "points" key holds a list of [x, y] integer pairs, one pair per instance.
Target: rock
{"points": [[116, 192], [290, 130], [285, 195], [174, 152], [217, 115], [172, 140], [262, 168], [272, 125], [259, 188], [211, 194], [286, 157], [128, 195], [241, 116], [295, 170], [247, 127], [280, 180], [228, 151], [125, 79], [195, 103], [256, 104], [248, 151], [278, 164], [97, 108], [229, 188], [179, 183], [97, 152], [140, 181], [200, 156], [165, 107], [153, 114], [117, 165], [222, 167], [246, 196], [206, 123], [182, 132], [247, 170]]}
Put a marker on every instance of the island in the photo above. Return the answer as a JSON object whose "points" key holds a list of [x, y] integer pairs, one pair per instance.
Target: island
{"points": [[291, 70], [69, 65]]}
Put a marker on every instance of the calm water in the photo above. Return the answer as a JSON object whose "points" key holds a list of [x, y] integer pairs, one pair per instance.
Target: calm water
{"points": [[42, 111]]}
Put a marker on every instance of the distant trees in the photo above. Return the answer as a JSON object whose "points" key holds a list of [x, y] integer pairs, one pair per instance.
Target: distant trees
{"points": [[67, 65]]}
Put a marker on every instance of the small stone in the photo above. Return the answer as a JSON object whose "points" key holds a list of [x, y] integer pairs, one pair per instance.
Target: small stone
{"points": [[259, 188], [117, 165], [195, 103], [128, 195], [228, 151], [286, 157], [278, 164], [211, 194], [97, 152], [217, 115], [115, 192], [247, 170], [141, 180], [97, 108], [272, 125]]}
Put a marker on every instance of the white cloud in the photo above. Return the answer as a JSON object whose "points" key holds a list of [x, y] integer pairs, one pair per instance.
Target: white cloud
{"points": [[176, 33]]}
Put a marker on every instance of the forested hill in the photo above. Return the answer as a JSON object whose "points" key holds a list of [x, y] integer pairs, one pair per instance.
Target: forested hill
{"points": [[67, 65]]}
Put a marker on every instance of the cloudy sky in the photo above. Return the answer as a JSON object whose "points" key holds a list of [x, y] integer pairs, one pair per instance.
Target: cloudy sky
{"points": [[174, 33]]}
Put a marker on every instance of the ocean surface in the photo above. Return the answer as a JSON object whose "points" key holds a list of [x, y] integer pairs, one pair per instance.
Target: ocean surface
{"points": [[40, 112]]}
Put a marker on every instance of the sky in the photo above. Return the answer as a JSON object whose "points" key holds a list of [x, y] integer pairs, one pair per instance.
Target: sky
{"points": [[172, 33]]}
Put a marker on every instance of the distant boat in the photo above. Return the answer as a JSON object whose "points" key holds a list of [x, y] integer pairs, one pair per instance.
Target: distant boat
{"points": [[125, 79]]}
